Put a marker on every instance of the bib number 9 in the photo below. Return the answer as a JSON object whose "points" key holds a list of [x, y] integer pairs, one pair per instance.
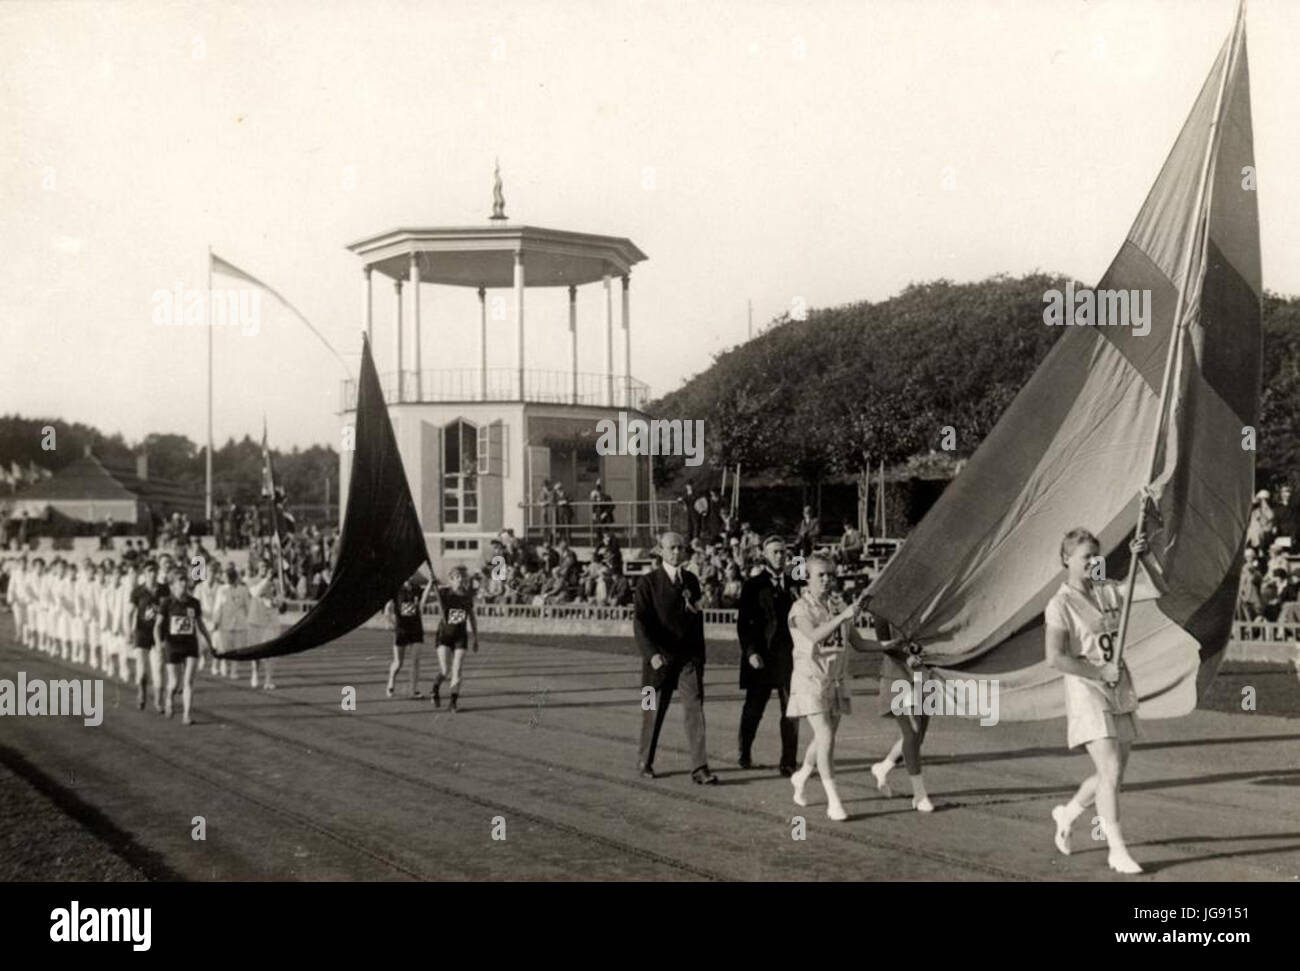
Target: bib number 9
{"points": [[1107, 642]]}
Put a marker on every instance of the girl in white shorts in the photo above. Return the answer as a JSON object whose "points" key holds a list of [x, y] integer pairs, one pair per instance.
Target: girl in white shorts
{"points": [[1101, 703], [819, 689]]}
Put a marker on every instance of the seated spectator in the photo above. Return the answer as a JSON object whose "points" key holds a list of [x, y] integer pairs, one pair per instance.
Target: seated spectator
{"points": [[1272, 606], [731, 588]]}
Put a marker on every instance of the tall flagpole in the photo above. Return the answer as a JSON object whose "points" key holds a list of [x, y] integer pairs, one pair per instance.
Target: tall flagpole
{"points": [[207, 502], [1200, 233]]}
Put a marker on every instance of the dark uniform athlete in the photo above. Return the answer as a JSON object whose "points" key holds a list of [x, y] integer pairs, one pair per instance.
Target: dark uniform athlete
{"points": [[457, 630], [141, 618], [177, 629], [405, 611]]}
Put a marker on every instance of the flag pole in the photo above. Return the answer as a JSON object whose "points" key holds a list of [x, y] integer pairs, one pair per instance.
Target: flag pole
{"points": [[207, 500], [1200, 234]]}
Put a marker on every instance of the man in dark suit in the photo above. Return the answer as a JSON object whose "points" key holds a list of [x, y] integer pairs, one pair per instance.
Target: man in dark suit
{"points": [[765, 653], [809, 533], [669, 626]]}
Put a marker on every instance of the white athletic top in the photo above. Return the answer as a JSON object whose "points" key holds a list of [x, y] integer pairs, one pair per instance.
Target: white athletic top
{"points": [[259, 606], [17, 586], [230, 607], [1091, 622]]}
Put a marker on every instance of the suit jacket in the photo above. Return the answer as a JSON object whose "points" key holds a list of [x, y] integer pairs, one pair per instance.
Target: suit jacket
{"points": [[763, 625], [661, 621]]}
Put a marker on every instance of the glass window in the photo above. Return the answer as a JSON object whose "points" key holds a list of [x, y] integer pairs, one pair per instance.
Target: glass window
{"points": [[460, 473]]}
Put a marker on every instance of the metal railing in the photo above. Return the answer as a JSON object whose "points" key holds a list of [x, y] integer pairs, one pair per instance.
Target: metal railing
{"points": [[502, 384]]}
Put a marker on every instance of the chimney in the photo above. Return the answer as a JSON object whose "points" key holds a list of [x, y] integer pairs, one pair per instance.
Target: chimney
{"points": [[142, 466]]}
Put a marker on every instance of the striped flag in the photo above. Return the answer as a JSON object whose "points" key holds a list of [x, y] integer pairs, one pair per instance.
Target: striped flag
{"points": [[1075, 448]]}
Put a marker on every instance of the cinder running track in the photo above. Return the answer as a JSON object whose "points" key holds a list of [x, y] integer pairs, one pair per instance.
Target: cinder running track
{"points": [[293, 787]]}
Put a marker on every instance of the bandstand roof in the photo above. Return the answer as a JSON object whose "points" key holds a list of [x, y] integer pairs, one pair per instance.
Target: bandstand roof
{"points": [[483, 256]]}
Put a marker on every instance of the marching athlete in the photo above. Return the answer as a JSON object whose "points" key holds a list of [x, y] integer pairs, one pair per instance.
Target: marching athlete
{"points": [[16, 597], [457, 631], [61, 607], [142, 617], [898, 662], [82, 609], [205, 593], [177, 628], [405, 613], [230, 620], [262, 624], [1100, 701], [819, 688]]}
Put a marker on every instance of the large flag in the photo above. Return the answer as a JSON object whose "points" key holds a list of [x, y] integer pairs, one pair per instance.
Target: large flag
{"points": [[226, 268], [381, 544], [1075, 447]]}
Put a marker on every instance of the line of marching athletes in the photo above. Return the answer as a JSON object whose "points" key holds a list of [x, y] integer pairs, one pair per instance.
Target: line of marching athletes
{"points": [[112, 616]]}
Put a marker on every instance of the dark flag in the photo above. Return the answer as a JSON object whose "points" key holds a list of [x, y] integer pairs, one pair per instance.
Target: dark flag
{"points": [[381, 544]]}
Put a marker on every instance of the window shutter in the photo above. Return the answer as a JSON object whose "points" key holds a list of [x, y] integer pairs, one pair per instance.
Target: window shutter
{"points": [[484, 447]]}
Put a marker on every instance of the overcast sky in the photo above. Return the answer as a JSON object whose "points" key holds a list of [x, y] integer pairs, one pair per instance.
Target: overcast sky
{"points": [[772, 151]]}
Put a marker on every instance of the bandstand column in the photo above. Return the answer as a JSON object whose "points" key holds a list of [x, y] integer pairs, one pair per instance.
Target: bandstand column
{"points": [[519, 315], [397, 286], [609, 342], [482, 343], [627, 341], [370, 316], [415, 318], [573, 337]]}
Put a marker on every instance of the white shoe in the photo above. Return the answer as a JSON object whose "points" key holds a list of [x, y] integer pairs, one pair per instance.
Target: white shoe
{"points": [[1120, 861], [836, 812], [800, 779], [881, 770], [923, 804], [1062, 838]]}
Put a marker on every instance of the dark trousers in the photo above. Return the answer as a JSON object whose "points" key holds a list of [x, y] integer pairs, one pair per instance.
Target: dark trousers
{"points": [[688, 677], [755, 704]]}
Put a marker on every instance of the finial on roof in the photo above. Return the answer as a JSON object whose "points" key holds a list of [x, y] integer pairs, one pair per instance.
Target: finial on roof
{"points": [[498, 200]]}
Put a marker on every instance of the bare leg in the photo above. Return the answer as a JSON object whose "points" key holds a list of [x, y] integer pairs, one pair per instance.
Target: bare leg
{"points": [[1110, 755], [187, 689], [399, 655]]}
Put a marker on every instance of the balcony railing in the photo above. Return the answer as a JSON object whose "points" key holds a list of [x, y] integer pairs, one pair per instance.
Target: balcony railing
{"points": [[502, 384]]}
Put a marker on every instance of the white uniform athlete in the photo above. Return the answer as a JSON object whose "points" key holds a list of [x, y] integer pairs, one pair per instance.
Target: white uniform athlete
{"points": [[1082, 630], [16, 596], [33, 595], [230, 619], [262, 624], [82, 610]]}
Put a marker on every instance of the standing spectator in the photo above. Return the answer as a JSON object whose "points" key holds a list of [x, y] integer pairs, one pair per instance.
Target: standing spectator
{"points": [[547, 500], [850, 544], [691, 502], [669, 631], [1284, 518], [1260, 531], [765, 645], [602, 509], [809, 532], [712, 517], [563, 511]]}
